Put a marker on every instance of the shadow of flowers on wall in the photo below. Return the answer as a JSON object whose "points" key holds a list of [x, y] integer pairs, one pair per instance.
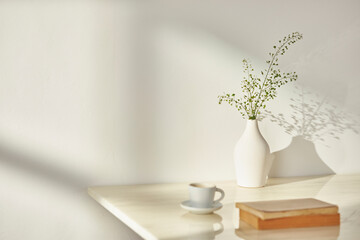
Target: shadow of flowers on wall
{"points": [[313, 119]]}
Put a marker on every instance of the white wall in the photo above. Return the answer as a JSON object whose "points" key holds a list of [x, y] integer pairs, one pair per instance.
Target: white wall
{"points": [[123, 92], [64, 107]]}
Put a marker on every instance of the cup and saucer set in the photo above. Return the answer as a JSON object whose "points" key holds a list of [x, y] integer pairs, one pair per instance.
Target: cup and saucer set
{"points": [[201, 199]]}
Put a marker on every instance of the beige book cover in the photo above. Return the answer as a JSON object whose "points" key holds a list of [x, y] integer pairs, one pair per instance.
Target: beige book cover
{"points": [[287, 208]]}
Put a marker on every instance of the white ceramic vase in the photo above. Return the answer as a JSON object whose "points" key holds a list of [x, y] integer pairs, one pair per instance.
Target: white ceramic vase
{"points": [[252, 157]]}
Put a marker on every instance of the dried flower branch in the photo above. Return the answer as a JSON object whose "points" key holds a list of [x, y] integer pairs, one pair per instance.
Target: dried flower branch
{"points": [[256, 91]]}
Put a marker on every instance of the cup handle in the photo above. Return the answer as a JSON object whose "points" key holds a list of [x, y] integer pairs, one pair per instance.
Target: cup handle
{"points": [[222, 195]]}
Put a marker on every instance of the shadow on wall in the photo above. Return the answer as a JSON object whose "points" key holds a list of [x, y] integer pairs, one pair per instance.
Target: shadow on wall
{"points": [[38, 166], [313, 120]]}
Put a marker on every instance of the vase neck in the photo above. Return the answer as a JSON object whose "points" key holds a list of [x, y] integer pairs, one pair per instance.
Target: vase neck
{"points": [[252, 123], [252, 126]]}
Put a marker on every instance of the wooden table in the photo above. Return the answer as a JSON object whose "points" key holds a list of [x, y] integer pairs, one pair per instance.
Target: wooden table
{"points": [[153, 211]]}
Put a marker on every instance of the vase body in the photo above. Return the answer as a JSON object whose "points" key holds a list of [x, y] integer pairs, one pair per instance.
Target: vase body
{"points": [[252, 157]]}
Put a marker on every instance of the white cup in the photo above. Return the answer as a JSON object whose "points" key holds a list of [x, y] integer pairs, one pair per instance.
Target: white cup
{"points": [[202, 195]]}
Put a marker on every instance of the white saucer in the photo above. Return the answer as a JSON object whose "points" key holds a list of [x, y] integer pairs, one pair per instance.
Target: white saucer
{"points": [[187, 205]]}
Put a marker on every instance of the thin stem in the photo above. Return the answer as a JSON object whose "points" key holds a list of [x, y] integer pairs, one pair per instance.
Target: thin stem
{"points": [[241, 106], [267, 73]]}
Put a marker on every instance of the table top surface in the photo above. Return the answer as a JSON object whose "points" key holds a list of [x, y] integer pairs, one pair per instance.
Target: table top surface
{"points": [[154, 212]]}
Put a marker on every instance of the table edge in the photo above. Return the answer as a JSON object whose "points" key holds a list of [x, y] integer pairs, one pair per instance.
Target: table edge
{"points": [[121, 216]]}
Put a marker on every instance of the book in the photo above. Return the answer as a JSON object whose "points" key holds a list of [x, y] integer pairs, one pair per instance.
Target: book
{"points": [[293, 213]]}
